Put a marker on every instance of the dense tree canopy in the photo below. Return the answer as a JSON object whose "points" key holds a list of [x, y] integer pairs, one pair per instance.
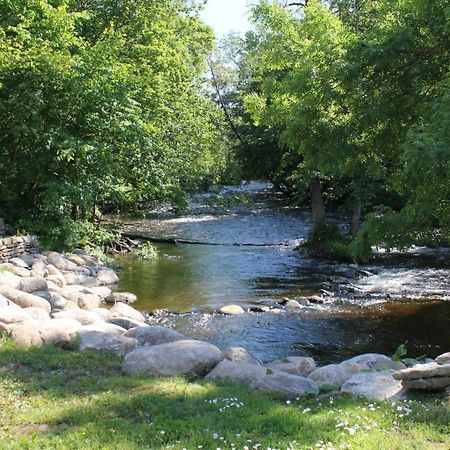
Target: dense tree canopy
{"points": [[102, 104]]}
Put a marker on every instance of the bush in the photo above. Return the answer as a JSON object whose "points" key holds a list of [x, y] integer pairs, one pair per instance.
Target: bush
{"points": [[146, 251]]}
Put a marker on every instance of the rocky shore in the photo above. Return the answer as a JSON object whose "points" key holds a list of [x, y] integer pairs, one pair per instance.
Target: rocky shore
{"points": [[50, 298]]}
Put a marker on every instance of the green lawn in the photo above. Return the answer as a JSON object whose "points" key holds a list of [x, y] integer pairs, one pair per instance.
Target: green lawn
{"points": [[51, 398]]}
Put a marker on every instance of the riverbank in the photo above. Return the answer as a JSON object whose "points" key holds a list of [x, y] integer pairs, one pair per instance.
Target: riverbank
{"points": [[51, 398], [92, 394]]}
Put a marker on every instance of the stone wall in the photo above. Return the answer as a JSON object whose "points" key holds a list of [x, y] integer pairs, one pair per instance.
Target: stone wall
{"points": [[16, 246]]}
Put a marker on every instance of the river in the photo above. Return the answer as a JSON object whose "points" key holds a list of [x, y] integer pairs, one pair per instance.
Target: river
{"points": [[247, 255]]}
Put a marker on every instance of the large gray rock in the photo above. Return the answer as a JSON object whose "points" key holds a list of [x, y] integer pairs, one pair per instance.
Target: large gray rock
{"points": [[125, 322], [373, 385], [231, 310], [443, 359], [107, 276], [285, 383], [60, 262], [32, 284], [84, 280], [154, 335], [428, 384], [240, 354], [29, 260], [297, 365], [82, 316], [376, 361], [123, 310], [173, 359], [237, 371], [19, 263], [24, 299], [105, 337], [428, 370], [124, 297], [41, 332], [333, 376]]}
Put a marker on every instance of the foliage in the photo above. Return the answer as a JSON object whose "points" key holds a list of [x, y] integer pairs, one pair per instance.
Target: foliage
{"points": [[102, 106], [53, 398], [357, 95], [146, 251]]}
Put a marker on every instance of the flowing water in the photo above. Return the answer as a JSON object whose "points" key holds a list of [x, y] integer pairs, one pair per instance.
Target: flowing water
{"points": [[249, 256]]}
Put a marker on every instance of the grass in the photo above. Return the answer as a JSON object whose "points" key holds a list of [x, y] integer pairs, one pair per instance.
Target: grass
{"points": [[55, 399]]}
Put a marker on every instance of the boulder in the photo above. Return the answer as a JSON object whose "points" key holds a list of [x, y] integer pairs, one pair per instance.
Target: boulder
{"points": [[61, 263], [70, 306], [154, 335], [418, 371], [9, 279], [107, 276], [20, 271], [85, 301], [240, 354], [124, 297], [24, 299], [173, 358], [427, 384], [373, 385], [292, 304], [443, 359], [125, 322], [78, 260], [285, 383], [236, 371], [10, 312], [57, 301], [44, 294], [36, 313], [105, 337], [41, 332], [231, 310], [101, 291], [55, 281], [376, 361], [18, 262], [102, 312], [82, 316], [297, 365], [29, 260], [123, 310], [32, 284], [39, 266], [84, 280], [333, 376]]}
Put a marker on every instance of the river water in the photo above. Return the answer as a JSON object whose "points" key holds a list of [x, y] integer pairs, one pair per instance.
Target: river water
{"points": [[248, 255]]}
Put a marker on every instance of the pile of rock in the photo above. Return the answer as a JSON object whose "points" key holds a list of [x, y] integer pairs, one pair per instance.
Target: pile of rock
{"points": [[432, 376], [16, 246]]}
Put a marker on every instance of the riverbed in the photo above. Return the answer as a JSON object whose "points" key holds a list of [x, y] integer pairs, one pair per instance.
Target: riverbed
{"points": [[247, 254]]}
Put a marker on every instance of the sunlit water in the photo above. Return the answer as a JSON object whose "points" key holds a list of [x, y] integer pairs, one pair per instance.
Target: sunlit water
{"points": [[248, 256]]}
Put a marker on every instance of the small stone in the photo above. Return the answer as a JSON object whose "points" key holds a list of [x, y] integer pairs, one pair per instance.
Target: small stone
{"points": [[231, 310], [124, 297]]}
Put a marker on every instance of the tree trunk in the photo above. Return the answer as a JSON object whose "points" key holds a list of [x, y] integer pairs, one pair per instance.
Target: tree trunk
{"points": [[356, 217], [318, 210]]}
